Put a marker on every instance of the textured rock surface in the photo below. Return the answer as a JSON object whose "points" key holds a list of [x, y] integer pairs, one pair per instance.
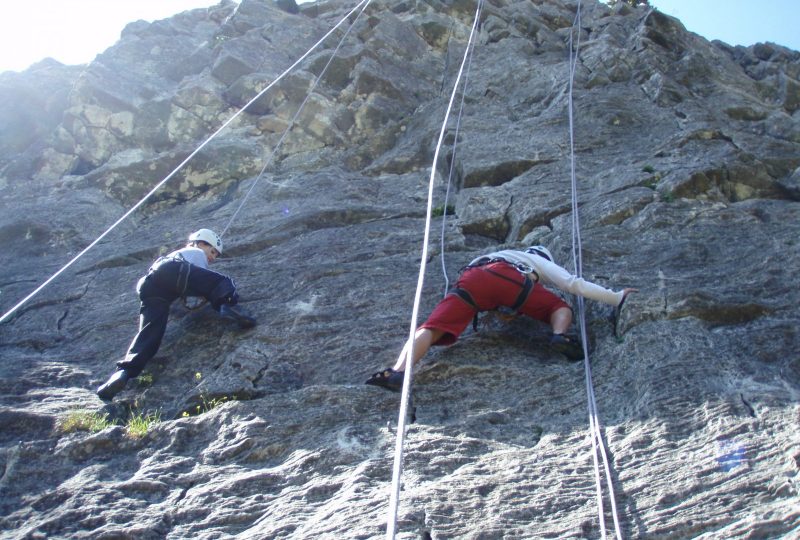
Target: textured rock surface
{"points": [[688, 155]]}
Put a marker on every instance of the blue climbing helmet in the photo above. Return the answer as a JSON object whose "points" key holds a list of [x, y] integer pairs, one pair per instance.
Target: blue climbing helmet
{"points": [[541, 251]]}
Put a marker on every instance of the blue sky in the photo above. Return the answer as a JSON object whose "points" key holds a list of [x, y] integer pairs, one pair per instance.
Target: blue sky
{"points": [[738, 22], [75, 31]]}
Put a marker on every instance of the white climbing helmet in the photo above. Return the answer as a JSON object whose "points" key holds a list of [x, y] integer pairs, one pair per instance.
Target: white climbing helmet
{"points": [[208, 236], [540, 251]]}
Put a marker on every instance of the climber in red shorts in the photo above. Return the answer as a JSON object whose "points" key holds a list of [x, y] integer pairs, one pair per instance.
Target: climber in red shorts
{"points": [[510, 280]]}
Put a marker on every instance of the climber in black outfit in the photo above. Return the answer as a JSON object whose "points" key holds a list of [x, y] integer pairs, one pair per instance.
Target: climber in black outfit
{"points": [[182, 273]]}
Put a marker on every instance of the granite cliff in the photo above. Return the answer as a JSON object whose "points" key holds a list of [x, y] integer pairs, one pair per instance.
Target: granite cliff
{"points": [[688, 167]]}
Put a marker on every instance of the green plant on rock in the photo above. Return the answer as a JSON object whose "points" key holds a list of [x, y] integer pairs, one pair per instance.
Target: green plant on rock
{"points": [[652, 182], [207, 404], [439, 210], [139, 424], [83, 420], [145, 380]]}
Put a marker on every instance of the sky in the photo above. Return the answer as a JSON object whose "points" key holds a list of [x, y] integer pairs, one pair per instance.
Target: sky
{"points": [[75, 31], [738, 22]]}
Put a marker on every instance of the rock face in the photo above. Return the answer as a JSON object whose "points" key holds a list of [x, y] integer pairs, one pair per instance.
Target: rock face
{"points": [[688, 160]]}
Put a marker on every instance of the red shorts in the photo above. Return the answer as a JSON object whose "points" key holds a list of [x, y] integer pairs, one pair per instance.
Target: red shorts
{"points": [[453, 314]]}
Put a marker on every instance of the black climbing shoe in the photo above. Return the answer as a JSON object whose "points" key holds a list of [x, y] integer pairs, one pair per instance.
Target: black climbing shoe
{"points": [[113, 385], [234, 314], [615, 317], [569, 347], [387, 378]]}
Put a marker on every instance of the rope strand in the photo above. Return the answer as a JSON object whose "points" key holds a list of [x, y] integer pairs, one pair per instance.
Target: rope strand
{"points": [[452, 166], [594, 422], [397, 469]]}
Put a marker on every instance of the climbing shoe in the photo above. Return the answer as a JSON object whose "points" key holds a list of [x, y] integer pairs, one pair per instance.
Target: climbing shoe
{"points": [[113, 385], [387, 378], [236, 315], [569, 347]]}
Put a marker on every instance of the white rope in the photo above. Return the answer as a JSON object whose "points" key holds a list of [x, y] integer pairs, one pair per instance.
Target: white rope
{"points": [[594, 422], [397, 469], [452, 166], [6, 316], [268, 161]]}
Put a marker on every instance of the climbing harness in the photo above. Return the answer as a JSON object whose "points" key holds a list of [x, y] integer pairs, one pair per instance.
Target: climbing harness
{"points": [[526, 286], [7, 316], [181, 280], [184, 268], [523, 269], [598, 445], [183, 283], [397, 468]]}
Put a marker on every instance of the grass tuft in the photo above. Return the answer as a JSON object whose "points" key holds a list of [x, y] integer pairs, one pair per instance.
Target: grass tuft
{"points": [[139, 423], [83, 420]]}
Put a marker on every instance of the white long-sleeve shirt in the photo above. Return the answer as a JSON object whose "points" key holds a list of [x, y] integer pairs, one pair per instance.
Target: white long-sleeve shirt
{"points": [[552, 274], [190, 254]]}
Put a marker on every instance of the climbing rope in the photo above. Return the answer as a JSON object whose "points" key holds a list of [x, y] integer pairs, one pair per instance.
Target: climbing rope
{"points": [[7, 316], [397, 469], [594, 423], [268, 161], [452, 166]]}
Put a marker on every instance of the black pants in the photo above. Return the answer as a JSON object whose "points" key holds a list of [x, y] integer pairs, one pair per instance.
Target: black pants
{"points": [[157, 291]]}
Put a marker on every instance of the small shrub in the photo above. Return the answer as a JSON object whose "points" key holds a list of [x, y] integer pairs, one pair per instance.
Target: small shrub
{"points": [[145, 380], [439, 210], [648, 169], [667, 196], [83, 420]]}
